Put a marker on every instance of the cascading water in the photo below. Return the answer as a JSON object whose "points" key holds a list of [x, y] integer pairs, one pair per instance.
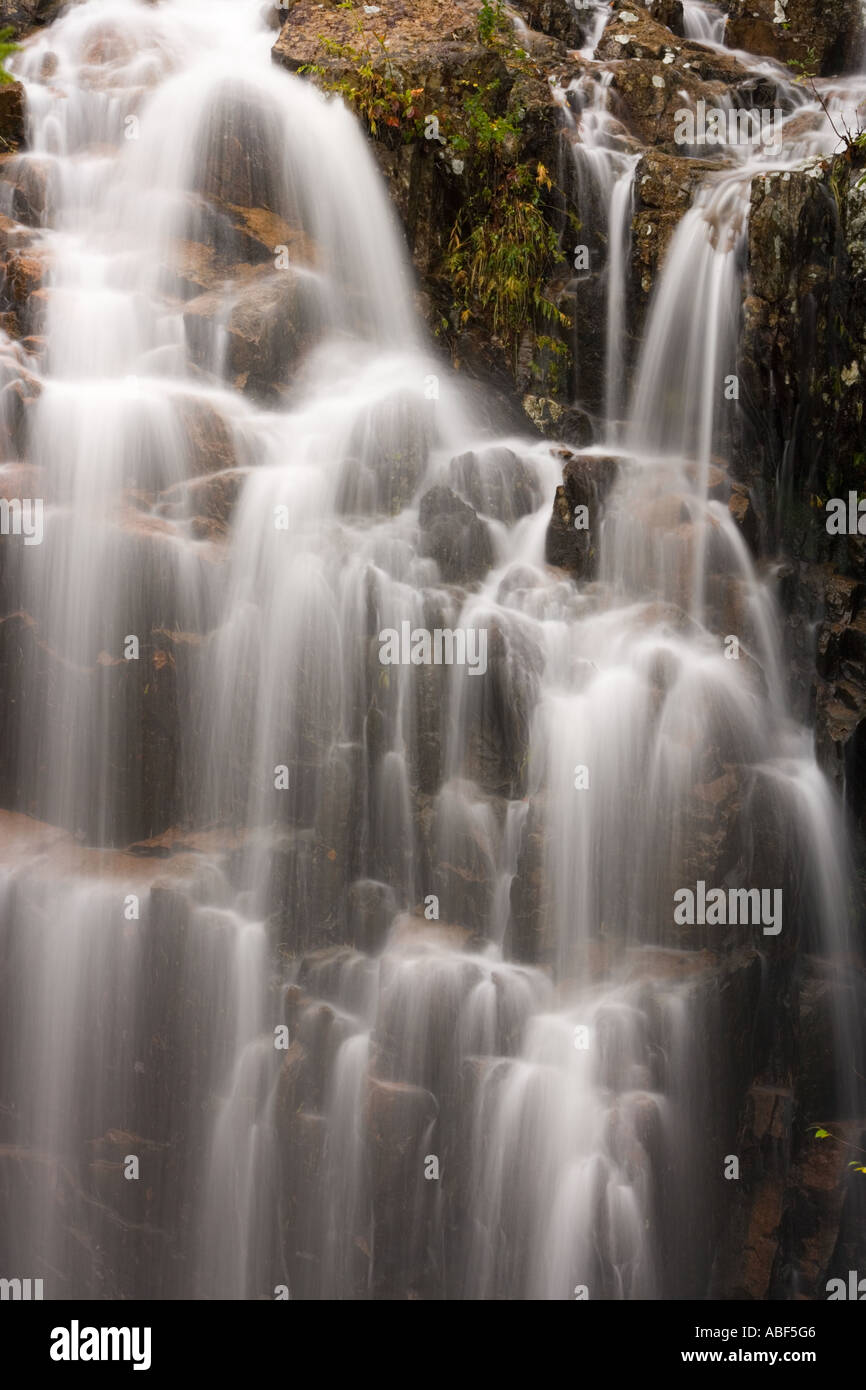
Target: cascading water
{"points": [[604, 174], [353, 851], [703, 21]]}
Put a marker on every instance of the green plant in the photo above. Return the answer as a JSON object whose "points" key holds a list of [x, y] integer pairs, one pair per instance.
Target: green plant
{"points": [[554, 371], [498, 268], [371, 89], [503, 244], [490, 20], [822, 1133], [7, 47], [805, 68], [482, 131]]}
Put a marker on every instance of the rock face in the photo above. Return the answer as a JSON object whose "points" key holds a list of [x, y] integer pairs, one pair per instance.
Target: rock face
{"points": [[463, 121], [826, 36], [658, 72], [143, 781], [559, 18], [664, 189], [25, 14], [265, 331], [572, 536], [803, 359], [462, 115], [455, 537], [432, 54], [13, 114]]}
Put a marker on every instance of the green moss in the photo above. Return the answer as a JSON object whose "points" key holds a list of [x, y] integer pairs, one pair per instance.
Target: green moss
{"points": [[504, 244], [7, 48]]}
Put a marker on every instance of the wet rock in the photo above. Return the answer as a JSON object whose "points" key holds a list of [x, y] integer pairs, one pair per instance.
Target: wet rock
{"points": [[237, 159], [27, 14], [498, 710], [17, 399], [825, 997], [461, 855], [140, 781], [92, 1247], [13, 116], [657, 74], [341, 790], [633, 33], [29, 177], [454, 536], [387, 455], [153, 756], [664, 189], [495, 482], [265, 331], [430, 692], [669, 13], [711, 823], [24, 272], [220, 239], [800, 440], [372, 907], [575, 427], [767, 1129], [136, 1200], [742, 509], [293, 1086], [650, 94], [337, 973], [209, 443], [586, 481], [303, 1159], [532, 935], [558, 18], [401, 1123], [208, 501], [830, 34], [788, 1227]]}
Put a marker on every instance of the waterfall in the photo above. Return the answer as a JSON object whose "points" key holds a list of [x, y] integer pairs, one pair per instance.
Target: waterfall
{"points": [[604, 177], [703, 22], [341, 958]]}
